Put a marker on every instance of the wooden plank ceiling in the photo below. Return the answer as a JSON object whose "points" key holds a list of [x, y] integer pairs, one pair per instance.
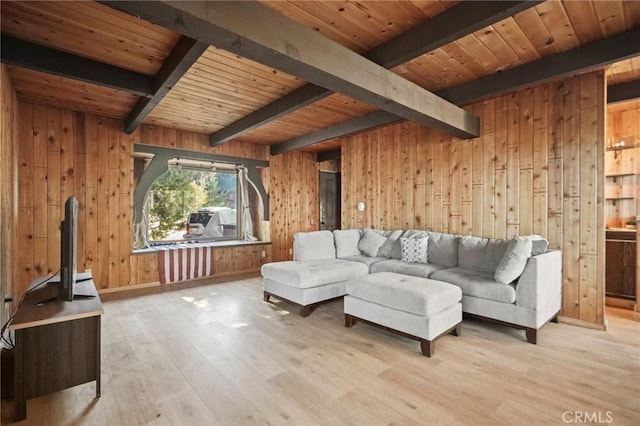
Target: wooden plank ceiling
{"points": [[221, 87]]}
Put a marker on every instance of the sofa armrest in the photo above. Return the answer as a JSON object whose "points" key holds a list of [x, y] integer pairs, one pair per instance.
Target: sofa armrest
{"points": [[541, 280]]}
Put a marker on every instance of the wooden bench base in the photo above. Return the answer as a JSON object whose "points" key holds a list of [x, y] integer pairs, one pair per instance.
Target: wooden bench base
{"points": [[531, 334], [305, 310], [427, 347]]}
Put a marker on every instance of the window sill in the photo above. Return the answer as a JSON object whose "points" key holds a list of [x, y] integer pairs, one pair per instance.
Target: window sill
{"points": [[225, 243]]}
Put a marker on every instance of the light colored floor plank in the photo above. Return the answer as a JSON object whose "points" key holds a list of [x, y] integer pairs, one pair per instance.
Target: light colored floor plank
{"points": [[218, 355]]}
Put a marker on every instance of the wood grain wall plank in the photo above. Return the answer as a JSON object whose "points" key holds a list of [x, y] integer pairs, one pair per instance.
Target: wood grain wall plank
{"points": [[525, 202], [488, 185], [25, 156], [39, 126], [10, 131], [571, 257]]}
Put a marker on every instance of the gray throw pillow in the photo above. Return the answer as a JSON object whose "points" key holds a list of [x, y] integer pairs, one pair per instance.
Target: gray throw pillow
{"points": [[391, 247], [371, 242], [347, 242], [539, 244], [481, 254], [414, 250], [313, 245], [514, 260], [443, 249]]}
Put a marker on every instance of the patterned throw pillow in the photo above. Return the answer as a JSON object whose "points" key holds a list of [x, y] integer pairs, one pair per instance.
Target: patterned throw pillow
{"points": [[414, 250]]}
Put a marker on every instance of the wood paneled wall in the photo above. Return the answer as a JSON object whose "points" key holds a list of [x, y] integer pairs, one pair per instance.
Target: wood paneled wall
{"points": [[63, 153], [537, 167], [8, 186], [293, 194], [227, 261]]}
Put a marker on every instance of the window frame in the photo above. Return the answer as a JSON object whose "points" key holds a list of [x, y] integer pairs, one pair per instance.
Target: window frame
{"points": [[160, 158]]}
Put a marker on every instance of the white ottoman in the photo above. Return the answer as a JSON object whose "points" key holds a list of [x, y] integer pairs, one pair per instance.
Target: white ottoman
{"points": [[416, 307], [309, 282]]}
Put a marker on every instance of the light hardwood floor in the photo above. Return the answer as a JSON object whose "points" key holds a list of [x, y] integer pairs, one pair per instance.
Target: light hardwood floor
{"points": [[217, 354]]}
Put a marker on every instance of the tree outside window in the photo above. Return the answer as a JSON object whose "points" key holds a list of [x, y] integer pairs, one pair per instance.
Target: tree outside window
{"points": [[187, 204]]}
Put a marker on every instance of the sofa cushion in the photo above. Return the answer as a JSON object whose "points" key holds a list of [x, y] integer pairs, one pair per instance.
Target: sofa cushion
{"points": [[539, 244], [313, 245], [514, 260], [414, 250], [312, 273], [415, 269], [371, 242], [415, 233], [391, 248], [363, 258], [346, 242], [476, 284], [419, 296], [443, 249], [481, 254]]}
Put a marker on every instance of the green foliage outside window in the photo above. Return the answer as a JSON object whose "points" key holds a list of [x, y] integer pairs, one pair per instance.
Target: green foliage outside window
{"points": [[178, 192]]}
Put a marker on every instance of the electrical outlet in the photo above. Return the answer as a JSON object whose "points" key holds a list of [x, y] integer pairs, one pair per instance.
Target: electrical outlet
{"points": [[264, 253]]}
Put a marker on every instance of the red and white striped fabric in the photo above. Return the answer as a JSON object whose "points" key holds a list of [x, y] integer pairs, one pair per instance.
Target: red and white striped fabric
{"points": [[183, 262]]}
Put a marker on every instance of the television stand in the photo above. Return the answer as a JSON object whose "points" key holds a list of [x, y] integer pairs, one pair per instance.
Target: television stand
{"points": [[81, 277], [78, 296], [70, 332]]}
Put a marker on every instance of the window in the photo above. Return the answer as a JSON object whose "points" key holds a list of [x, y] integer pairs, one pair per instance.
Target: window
{"points": [[188, 196], [193, 201]]}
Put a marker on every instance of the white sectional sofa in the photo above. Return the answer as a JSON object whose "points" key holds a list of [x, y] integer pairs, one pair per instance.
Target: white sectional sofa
{"points": [[514, 281]]}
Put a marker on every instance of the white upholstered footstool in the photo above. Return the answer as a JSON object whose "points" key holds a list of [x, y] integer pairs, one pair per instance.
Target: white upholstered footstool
{"points": [[416, 307], [309, 282]]}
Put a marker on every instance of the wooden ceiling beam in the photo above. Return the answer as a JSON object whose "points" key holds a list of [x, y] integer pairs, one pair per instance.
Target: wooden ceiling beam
{"points": [[597, 54], [452, 24], [375, 119], [32, 56], [257, 32], [623, 92], [456, 22], [334, 154], [594, 55], [185, 53]]}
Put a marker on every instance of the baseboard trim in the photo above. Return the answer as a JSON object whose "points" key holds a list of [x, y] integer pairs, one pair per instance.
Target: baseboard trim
{"points": [[620, 303], [581, 323], [128, 287], [157, 287]]}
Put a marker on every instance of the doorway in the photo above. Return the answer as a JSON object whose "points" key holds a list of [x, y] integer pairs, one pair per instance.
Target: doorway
{"points": [[330, 203], [622, 205]]}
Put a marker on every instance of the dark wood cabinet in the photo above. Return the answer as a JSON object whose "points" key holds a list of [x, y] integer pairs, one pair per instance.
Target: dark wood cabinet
{"points": [[621, 265], [57, 344]]}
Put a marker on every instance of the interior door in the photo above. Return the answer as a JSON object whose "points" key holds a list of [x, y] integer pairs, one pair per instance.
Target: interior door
{"points": [[329, 201]]}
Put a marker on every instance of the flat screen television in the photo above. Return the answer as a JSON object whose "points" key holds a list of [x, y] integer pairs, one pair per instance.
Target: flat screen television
{"points": [[68, 250], [69, 257]]}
